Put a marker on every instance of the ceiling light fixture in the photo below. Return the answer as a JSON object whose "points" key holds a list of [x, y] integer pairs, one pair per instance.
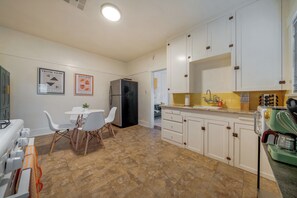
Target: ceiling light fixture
{"points": [[110, 12]]}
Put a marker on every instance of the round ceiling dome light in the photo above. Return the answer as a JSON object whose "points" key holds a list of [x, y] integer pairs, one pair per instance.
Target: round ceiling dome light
{"points": [[110, 12]]}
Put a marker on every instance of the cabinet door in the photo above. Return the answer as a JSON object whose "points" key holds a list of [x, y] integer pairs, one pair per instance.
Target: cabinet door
{"points": [[216, 140], [178, 65], [258, 52], [199, 43], [194, 134], [246, 151], [219, 36]]}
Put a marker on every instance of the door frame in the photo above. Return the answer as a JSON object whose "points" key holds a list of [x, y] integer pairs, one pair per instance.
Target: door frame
{"points": [[152, 122]]}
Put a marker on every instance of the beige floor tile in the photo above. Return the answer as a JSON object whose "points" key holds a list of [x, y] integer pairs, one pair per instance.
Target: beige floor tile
{"points": [[137, 163]]}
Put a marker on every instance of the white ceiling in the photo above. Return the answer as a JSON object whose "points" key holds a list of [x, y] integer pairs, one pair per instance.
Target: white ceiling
{"points": [[144, 27]]}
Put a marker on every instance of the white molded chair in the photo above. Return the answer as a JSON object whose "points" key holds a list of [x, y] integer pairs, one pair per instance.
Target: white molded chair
{"points": [[110, 119], [61, 130], [93, 128]]}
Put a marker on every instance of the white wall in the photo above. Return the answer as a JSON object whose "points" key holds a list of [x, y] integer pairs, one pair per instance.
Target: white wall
{"points": [[214, 74], [21, 54], [141, 70]]}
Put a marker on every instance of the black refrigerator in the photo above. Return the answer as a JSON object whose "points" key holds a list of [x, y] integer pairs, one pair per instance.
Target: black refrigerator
{"points": [[4, 94], [123, 94]]}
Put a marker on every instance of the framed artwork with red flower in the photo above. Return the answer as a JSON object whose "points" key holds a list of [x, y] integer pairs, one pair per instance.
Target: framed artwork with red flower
{"points": [[84, 85]]}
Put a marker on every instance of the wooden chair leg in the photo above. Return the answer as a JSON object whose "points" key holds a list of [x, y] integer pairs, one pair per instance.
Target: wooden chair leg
{"points": [[83, 137], [53, 143], [111, 129], [77, 140], [74, 135], [97, 136], [70, 136], [101, 139], [87, 143]]}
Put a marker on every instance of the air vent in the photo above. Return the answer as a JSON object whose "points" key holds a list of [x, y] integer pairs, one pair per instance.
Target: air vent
{"points": [[80, 4]]}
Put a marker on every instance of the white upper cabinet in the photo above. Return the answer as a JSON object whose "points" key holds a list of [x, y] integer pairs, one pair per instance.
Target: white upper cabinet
{"points": [[214, 38], [220, 35], [199, 43], [258, 46], [177, 64]]}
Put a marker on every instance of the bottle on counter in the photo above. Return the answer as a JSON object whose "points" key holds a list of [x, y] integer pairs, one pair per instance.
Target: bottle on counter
{"points": [[187, 100], [220, 103]]}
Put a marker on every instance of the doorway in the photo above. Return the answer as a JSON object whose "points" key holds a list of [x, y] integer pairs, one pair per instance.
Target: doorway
{"points": [[160, 95]]}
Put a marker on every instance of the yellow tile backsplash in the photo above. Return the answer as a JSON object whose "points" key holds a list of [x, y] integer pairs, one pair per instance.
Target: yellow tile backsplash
{"points": [[230, 100]]}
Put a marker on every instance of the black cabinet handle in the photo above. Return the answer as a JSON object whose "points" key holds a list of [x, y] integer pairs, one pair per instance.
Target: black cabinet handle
{"points": [[236, 68], [208, 47], [231, 17], [186, 75], [231, 45]]}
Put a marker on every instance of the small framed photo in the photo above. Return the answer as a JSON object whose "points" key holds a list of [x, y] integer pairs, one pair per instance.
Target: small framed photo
{"points": [[50, 81], [84, 85]]}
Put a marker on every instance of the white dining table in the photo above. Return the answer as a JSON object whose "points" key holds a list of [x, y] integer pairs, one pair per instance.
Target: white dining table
{"points": [[80, 115], [83, 112]]}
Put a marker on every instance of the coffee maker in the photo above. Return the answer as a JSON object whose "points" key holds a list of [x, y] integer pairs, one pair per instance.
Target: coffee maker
{"points": [[283, 127]]}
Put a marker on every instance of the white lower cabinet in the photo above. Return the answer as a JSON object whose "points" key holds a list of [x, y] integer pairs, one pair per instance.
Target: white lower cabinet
{"points": [[223, 137], [172, 127], [216, 140], [194, 134], [172, 136], [246, 149]]}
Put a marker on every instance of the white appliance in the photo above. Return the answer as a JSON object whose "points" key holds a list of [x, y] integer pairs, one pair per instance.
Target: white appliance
{"points": [[259, 120], [13, 139]]}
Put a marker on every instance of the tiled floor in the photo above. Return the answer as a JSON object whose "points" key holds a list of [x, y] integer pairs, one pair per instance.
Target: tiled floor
{"points": [[137, 163], [157, 121]]}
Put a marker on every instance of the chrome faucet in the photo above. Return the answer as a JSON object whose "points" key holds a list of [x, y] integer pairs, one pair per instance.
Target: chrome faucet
{"points": [[215, 99], [209, 100]]}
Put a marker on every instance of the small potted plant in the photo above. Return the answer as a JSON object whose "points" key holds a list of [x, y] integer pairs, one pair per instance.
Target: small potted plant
{"points": [[85, 106]]}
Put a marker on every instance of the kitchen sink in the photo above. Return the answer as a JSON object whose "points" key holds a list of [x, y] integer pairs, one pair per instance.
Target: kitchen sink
{"points": [[206, 107]]}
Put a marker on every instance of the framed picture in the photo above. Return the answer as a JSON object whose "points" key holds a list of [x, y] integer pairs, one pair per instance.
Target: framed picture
{"points": [[50, 81], [84, 85]]}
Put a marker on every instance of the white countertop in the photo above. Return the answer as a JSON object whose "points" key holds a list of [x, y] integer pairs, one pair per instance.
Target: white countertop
{"points": [[222, 110]]}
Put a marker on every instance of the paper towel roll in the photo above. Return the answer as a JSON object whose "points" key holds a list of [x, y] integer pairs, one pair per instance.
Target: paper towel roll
{"points": [[187, 100]]}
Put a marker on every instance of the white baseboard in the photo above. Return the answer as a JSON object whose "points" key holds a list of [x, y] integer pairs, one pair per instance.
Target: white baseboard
{"points": [[144, 123], [40, 132], [47, 131]]}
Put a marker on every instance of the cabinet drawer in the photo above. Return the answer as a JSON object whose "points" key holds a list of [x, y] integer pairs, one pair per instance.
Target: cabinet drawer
{"points": [[168, 111], [173, 136], [173, 117], [173, 126]]}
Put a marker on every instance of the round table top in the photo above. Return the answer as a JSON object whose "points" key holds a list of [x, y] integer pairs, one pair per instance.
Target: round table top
{"points": [[85, 112]]}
